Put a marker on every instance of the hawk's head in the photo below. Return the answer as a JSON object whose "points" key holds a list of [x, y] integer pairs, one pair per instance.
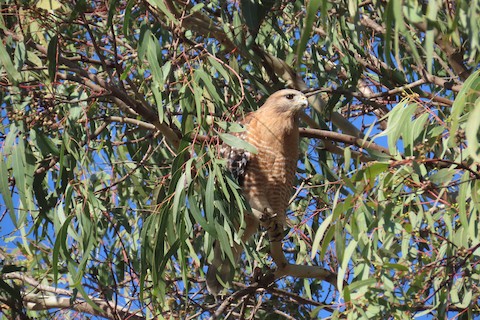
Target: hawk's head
{"points": [[287, 100]]}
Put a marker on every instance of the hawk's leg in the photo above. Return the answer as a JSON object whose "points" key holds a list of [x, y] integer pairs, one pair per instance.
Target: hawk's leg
{"points": [[274, 226], [272, 222]]}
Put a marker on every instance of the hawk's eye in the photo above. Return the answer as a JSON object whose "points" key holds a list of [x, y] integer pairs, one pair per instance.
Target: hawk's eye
{"points": [[290, 96]]}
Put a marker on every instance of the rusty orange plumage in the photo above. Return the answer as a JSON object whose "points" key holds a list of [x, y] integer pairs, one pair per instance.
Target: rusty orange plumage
{"points": [[267, 176]]}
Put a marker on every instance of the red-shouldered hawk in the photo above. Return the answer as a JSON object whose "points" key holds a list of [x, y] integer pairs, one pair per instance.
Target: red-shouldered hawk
{"points": [[267, 176]]}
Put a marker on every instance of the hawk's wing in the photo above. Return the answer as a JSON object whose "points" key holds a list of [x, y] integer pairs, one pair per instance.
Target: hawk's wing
{"points": [[237, 161], [237, 158]]}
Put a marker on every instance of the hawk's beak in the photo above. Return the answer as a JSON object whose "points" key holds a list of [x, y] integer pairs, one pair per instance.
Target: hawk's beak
{"points": [[302, 103]]}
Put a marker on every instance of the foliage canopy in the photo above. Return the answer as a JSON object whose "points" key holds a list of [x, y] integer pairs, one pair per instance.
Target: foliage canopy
{"points": [[112, 190]]}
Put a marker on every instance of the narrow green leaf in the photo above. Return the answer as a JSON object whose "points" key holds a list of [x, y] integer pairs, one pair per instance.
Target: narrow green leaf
{"points": [[346, 294], [207, 81], [158, 101], [230, 126], [168, 255], [467, 299], [44, 144], [237, 29], [20, 55], [182, 254], [326, 241], [79, 8], [127, 21], [399, 123], [397, 266], [220, 178], [153, 59], [197, 7], [197, 215], [199, 96], [5, 190], [156, 234], [412, 11], [209, 198], [462, 200], [319, 235], [52, 55], [347, 155], [89, 238], [310, 18], [465, 98], [219, 68], [60, 241], [179, 194], [225, 243], [362, 283], [166, 68], [49, 5], [339, 241], [88, 300], [236, 142], [254, 13], [389, 21], [20, 174], [374, 170], [346, 255], [418, 127], [432, 10], [442, 176], [412, 44], [160, 4], [7, 63], [111, 11], [240, 200], [353, 8], [62, 162], [472, 132]]}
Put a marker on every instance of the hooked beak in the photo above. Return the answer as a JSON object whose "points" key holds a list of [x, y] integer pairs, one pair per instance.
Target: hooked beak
{"points": [[302, 103]]}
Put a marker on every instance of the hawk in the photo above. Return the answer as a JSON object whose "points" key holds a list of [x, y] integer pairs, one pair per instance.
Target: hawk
{"points": [[266, 178]]}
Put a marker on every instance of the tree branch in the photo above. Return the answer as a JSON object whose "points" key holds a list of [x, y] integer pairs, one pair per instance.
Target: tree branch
{"points": [[339, 137], [234, 297], [118, 96], [41, 301]]}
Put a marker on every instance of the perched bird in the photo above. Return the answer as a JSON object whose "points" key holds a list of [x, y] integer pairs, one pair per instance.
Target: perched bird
{"points": [[266, 177]]}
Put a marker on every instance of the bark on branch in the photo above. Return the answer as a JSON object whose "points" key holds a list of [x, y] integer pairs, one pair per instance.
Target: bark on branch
{"points": [[56, 298]]}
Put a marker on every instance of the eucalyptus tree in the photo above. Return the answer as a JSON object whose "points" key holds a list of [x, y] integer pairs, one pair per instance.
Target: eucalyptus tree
{"points": [[113, 190]]}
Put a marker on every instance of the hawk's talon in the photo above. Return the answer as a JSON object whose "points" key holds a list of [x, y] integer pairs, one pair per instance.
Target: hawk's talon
{"points": [[267, 215]]}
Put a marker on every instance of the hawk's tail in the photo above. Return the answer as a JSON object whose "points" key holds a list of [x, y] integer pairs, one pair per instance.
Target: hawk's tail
{"points": [[220, 272]]}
